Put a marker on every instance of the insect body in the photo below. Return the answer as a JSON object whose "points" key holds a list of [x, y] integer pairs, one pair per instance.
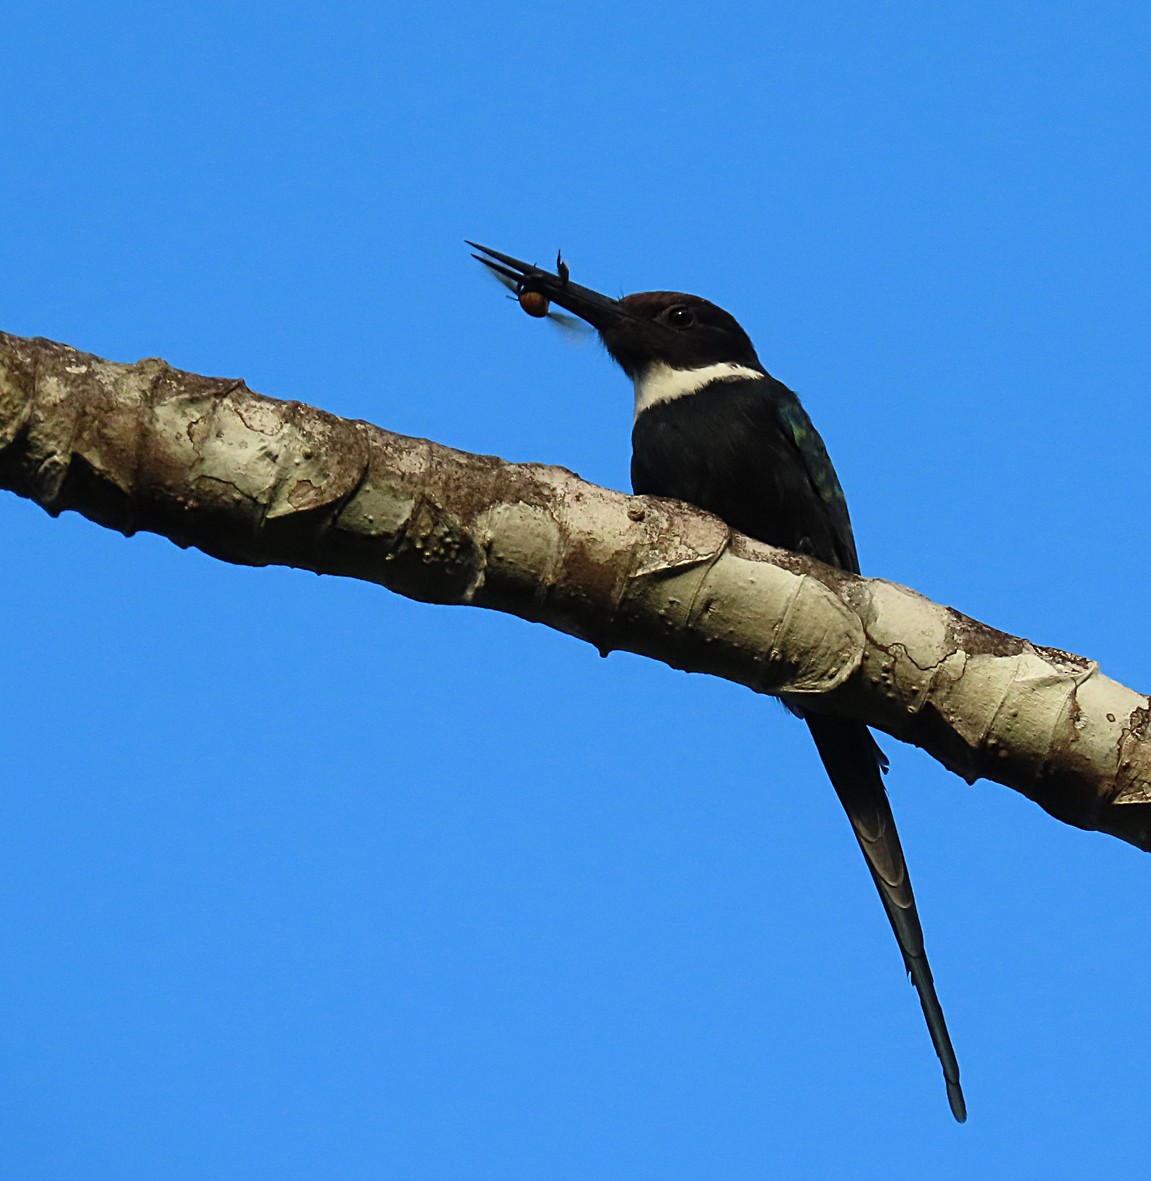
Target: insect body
{"points": [[535, 303]]}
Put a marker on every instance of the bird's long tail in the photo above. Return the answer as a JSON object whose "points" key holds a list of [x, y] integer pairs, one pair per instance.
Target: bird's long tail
{"points": [[854, 764]]}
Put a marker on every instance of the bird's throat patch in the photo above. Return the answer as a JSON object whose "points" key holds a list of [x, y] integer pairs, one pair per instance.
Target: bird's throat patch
{"points": [[659, 382]]}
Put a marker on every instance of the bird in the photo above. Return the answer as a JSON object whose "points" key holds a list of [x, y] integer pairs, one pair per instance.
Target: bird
{"points": [[713, 428]]}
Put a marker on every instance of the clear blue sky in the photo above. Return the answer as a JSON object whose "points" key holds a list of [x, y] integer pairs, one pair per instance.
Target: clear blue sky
{"points": [[304, 880]]}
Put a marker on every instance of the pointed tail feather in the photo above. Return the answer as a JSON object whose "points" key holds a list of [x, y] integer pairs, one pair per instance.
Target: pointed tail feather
{"points": [[853, 763]]}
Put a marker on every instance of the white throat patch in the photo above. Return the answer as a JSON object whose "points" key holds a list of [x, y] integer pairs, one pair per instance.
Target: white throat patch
{"points": [[661, 383]]}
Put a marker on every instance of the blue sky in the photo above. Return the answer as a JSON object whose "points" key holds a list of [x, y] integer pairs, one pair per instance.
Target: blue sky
{"points": [[301, 879]]}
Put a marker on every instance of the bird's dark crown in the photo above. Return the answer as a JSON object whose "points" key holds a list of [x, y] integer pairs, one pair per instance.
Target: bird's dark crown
{"points": [[683, 331]]}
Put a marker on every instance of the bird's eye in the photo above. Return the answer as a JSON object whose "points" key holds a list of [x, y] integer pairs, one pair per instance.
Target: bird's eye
{"points": [[680, 316]]}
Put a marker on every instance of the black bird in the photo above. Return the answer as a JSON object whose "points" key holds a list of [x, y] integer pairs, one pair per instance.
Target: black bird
{"points": [[715, 429]]}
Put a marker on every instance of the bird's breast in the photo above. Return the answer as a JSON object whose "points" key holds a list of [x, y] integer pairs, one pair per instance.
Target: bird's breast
{"points": [[725, 448]]}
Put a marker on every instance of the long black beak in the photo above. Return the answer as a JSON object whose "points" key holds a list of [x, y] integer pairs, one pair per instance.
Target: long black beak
{"points": [[599, 311]]}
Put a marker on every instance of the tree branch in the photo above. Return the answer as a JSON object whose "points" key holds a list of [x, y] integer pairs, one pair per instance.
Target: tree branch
{"points": [[251, 480]]}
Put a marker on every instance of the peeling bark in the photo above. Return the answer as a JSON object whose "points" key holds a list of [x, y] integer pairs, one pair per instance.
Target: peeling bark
{"points": [[252, 480]]}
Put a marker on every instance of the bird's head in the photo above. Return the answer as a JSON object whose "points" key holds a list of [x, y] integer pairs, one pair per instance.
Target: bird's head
{"points": [[650, 328]]}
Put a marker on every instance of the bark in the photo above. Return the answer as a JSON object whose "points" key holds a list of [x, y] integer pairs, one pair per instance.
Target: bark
{"points": [[252, 480]]}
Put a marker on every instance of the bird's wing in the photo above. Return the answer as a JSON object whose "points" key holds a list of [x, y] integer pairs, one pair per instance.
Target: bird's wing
{"points": [[853, 763], [812, 453]]}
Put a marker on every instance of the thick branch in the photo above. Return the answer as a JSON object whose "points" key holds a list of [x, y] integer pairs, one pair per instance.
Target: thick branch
{"points": [[252, 480]]}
